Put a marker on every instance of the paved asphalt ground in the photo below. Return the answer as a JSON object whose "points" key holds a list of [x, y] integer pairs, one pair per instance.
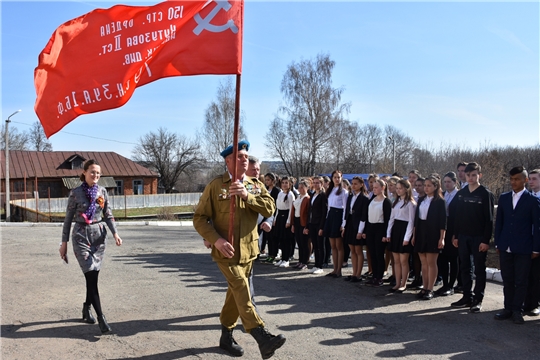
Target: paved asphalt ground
{"points": [[162, 295]]}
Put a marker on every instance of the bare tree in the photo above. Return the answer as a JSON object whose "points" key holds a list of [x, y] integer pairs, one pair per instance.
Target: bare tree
{"points": [[312, 112], [218, 129], [17, 140], [38, 140], [167, 153]]}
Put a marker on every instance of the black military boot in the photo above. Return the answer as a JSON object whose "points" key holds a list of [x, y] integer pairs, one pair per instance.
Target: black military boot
{"points": [[227, 343], [87, 314], [268, 343], [103, 326]]}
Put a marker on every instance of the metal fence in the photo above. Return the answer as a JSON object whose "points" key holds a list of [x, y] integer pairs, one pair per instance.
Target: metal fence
{"points": [[117, 202]]}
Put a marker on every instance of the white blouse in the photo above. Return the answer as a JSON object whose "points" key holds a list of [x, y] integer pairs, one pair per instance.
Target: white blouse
{"points": [[281, 204], [298, 205], [338, 201], [424, 207], [405, 213], [376, 212]]}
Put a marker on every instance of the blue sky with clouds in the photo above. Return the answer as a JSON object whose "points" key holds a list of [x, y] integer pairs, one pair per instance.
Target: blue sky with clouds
{"points": [[465, 73]]}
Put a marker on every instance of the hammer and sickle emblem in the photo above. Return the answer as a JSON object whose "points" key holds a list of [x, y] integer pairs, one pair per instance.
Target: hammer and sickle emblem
{"points": [[204, 24]]}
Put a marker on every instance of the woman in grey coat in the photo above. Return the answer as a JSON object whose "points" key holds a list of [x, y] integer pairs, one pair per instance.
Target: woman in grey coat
{"points": [[88, 207]]}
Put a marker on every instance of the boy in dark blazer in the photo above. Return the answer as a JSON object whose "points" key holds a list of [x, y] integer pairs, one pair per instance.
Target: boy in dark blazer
{"points": [[517, 239]]}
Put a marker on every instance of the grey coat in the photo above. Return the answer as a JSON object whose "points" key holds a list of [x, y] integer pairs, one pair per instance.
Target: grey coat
{"points": [[88, 240]]}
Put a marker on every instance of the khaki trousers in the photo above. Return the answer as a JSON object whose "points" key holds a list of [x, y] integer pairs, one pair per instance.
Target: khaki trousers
{"points": [[238, 299]]}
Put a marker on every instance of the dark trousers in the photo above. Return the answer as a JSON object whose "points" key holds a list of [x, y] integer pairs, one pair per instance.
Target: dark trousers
{"points": [[327, 250], [346, 252], [279, 234], [286, 246], [318, 245], [532, 299], [376, 249], [447, 262], [515, 273], [303, 242], [265, 238], [468, 245]]}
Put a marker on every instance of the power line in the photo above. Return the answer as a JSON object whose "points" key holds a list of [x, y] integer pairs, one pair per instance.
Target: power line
{"points": [[88, 136]]}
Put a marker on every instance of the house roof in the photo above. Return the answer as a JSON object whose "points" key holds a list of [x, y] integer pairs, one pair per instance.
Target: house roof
{"points": [[54, 164]]}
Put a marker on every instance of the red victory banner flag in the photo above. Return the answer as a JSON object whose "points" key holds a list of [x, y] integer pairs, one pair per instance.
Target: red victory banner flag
{"points": [[95, 62]]}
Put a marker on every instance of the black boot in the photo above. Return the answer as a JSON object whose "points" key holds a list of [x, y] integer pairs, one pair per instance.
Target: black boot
{"points": [[268, 343], [103, 326], [227, 342], [87, 314]]}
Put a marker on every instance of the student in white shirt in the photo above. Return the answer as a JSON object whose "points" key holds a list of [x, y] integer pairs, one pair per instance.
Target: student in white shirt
{"points": [[282, 226], [354, 220], [447, 262], [337, 200], [429, 231], [379, 210], [399, 232]]}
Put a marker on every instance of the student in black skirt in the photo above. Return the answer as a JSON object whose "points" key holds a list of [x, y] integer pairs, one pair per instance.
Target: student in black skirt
{"points": [[283, 235], [354, 221], [379, 210], [429, 231], [317, 218], [399, 233], [448, 259], [327, 246], [337, 200]]}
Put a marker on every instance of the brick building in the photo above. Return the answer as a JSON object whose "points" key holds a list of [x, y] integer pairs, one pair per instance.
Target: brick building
{"points": [[57, 172]]}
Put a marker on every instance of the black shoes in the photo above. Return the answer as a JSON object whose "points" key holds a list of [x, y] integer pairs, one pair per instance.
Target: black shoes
{"points": [[428, 295], [476, 306], [444, 291], [268, 343], [87, 314], [503, 315], [517, 318], [463, 302], [417, 283], [103, 326], [227, 342]]}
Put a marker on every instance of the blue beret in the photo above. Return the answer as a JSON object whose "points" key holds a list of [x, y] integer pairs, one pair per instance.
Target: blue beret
{"points": [[242, 145]]}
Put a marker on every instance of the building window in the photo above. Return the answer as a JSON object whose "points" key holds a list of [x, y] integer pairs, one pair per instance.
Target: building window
{"points": [[77, 164], [119, 187], [138, 187]]}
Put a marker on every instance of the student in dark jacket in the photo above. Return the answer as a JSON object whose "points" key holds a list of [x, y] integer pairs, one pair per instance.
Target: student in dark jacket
{"points": [[299, 218], [429, 231], [317, 218], [517, 239], [473, 228], [447, 261], [379, 210], [354, 222], [270, 180]]}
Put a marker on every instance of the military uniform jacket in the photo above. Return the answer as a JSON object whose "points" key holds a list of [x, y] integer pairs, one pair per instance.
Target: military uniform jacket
{"points": [[211, 218]]}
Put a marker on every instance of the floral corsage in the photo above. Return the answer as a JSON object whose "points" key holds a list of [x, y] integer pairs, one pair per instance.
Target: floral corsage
{"points": [[100, 201]]}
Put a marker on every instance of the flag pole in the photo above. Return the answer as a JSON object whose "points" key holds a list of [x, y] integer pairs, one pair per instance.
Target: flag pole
{"points": [[232, 208]]}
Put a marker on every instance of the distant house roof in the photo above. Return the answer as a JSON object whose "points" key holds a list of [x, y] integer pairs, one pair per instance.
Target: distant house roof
{"points": [[55, 164], [105, 181]]}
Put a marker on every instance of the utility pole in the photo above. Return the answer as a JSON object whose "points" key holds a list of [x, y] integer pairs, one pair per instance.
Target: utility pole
{"points": [[8, 208]]}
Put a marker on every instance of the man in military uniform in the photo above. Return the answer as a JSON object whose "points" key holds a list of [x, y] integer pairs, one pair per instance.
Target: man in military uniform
{"points": [[235, 261]]}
